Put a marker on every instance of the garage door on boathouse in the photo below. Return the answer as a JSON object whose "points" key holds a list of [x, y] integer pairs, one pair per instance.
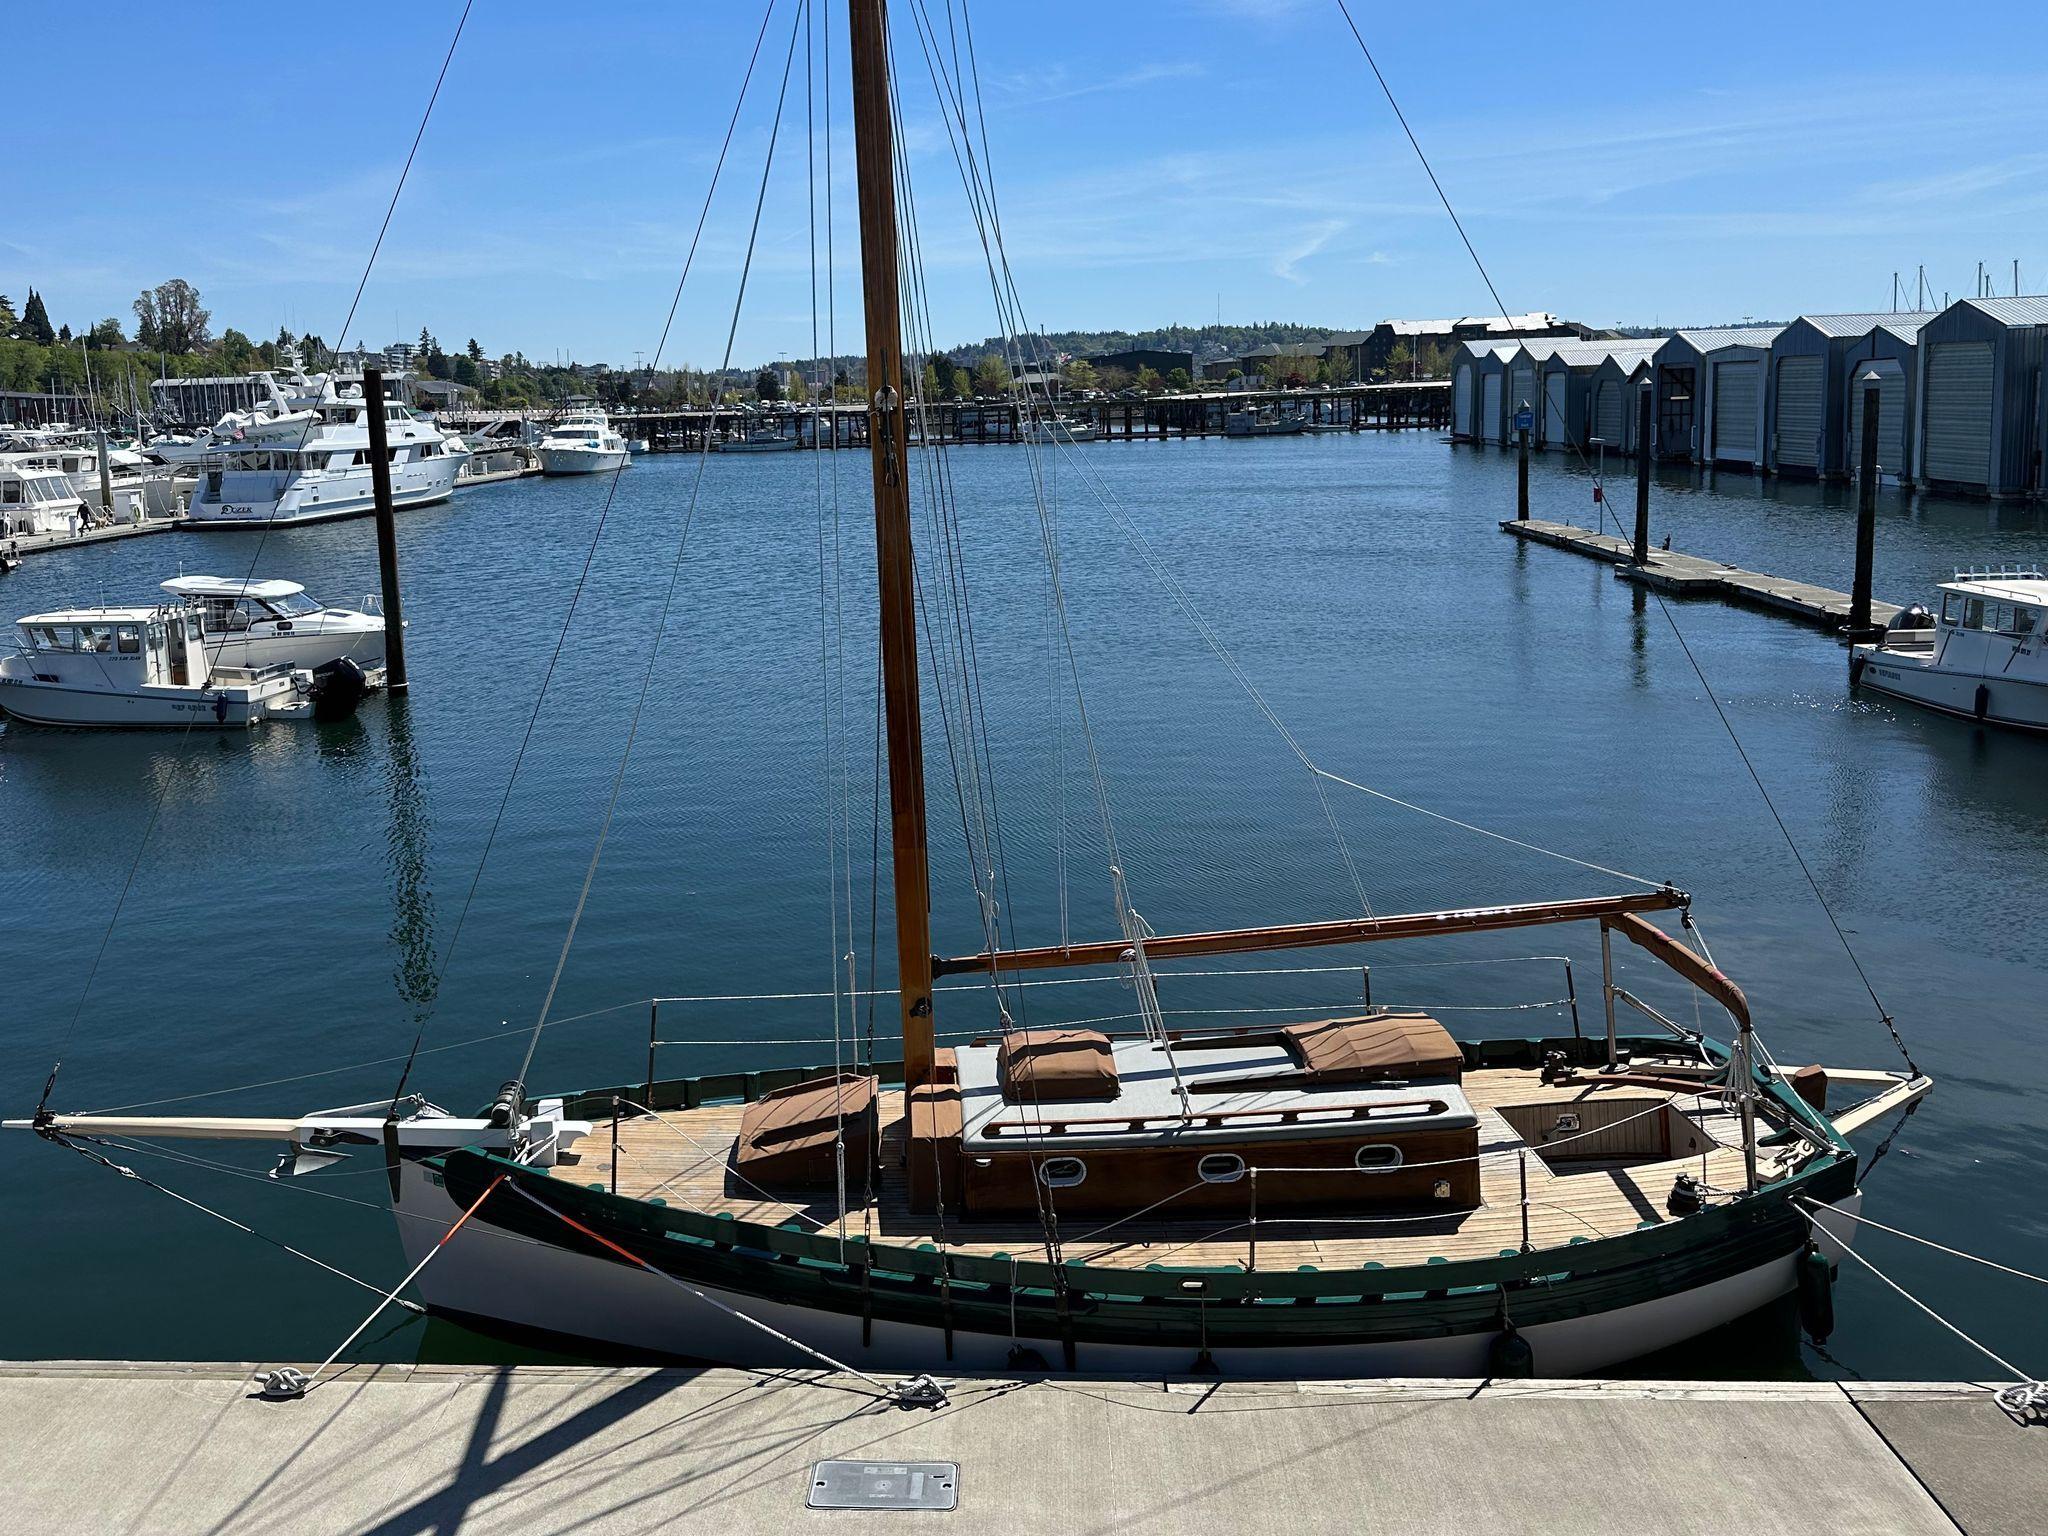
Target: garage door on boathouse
{"points": [[1735, 411], [1800, 382], [1958, 411]]}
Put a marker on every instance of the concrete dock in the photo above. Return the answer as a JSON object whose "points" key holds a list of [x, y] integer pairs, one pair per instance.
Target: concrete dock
{"points": [[399, 1450], [1684, 575]]}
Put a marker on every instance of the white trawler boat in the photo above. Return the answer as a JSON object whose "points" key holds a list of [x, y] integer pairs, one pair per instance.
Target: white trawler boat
{"points": [[583, 443], [274, 623], [321, 470], [35, 502], [1983, 656], [153, 667], [1360, 1194]]}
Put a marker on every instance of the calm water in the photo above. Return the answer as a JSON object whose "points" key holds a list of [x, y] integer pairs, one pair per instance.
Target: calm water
{"points": [[293, 909]]}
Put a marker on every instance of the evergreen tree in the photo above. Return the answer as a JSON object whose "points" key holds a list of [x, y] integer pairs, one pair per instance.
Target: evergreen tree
{"points": [[9, 321], [35, 321]]}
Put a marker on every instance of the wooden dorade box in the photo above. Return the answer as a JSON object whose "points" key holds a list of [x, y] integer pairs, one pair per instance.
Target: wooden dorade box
{"points": [[788, 1138], [1345, 1114]]}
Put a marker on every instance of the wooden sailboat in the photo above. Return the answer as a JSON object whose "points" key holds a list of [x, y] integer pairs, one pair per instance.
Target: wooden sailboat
{"points": [[1357, 1195]]}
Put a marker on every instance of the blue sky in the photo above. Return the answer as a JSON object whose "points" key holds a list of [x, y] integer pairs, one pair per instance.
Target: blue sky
{"points": [[1156, 162]]}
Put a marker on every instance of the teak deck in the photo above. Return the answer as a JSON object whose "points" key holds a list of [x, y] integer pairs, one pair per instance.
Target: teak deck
{"points": [[684, 1157]]}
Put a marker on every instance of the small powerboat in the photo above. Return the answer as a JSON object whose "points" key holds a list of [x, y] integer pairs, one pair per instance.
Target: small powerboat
{"points": [[274, 623], [150, 667], [1983, 656]]}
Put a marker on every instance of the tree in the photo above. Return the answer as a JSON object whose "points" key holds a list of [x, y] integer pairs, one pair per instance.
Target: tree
{"points": [[1400, 361], [991, 375], [799, 390], [170, 317], [1233, 376], [427, 342], [235, 351], [106, 334], [1114, 379], [1079, 374], [474, 352], [928, 381], [1179, 378], [1149, 380], [767, 386], [9, 320], [35, 321], [466, 372], [437, 364], [64, 334]]}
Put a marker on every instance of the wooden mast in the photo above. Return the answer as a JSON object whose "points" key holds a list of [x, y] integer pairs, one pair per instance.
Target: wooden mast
{"points": [[888, 446]]}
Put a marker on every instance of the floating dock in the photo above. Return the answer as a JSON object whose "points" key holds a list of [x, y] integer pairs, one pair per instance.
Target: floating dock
{"points": [[31, 543], [394, 1449], [1699, 576]]}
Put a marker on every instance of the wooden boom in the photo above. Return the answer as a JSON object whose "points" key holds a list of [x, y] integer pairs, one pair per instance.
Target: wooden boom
{"points": [[1355, 930]]}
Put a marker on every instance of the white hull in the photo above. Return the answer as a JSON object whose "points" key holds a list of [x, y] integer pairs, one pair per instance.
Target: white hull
{"points": [[487, 1273], [582, 461], [305, 648], [330, 496], [2017, 702], [148, 708]]}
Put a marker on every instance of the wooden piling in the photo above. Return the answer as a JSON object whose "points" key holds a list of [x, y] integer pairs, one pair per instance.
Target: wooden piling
{"points": [[387, 532], [1866, 512], [1643, 430]]}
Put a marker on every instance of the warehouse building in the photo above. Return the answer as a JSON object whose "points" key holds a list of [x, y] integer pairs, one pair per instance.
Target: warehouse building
{"points": [[1891, 351], [1981, 396], [1618, 384], [1809, 393], [1572, 404], [1478, 389], [1690, 424]]}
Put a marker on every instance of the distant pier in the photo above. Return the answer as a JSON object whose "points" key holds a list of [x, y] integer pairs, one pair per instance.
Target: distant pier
{"points": [[1157, 418], [1699, 576]]}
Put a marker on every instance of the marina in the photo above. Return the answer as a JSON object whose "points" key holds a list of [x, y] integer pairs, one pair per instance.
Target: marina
{"points": [[770, 982]]}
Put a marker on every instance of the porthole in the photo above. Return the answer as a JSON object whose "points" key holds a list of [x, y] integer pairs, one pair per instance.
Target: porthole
{"points": [[1062, 1172], [1221, 1168], [1378, 1155]]}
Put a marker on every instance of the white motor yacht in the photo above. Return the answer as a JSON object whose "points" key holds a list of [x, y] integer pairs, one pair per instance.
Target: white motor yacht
{"points": [[324, 471], [583, 443], [37, 501], [1982, 656], [274, 623], [151, 666]]}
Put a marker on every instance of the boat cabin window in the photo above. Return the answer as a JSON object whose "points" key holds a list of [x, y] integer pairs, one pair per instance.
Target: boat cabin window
{"points": [[11, 493], [291, 605], [1062, 1172], [96, 638], [1973, 613], [1221, 1168], [52, 637], [128, 640], [2024, 619], [1378, 1155]]}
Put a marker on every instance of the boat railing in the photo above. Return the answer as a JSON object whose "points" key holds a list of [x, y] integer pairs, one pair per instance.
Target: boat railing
{"points": [[2000, 573]]}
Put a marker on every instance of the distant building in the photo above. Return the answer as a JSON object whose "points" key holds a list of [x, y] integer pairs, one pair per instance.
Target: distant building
{"points": [[1161, 363], [1979, 427], [490, 370], [399, 355], [440, 394], [202, 402]]}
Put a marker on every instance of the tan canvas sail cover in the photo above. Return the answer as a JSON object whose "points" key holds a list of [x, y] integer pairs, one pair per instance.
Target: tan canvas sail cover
{"points": [[1375, 1047], [1052, 1066], [788, 1137]]}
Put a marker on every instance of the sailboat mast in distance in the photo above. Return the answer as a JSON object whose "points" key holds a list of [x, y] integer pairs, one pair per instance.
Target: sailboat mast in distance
{"points": [[888, 446]]}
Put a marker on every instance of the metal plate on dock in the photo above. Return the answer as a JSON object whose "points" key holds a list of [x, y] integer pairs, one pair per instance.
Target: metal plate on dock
{"points": [[884, 1485]]}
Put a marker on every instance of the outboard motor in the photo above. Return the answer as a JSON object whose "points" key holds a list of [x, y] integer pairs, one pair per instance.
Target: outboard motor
{"points": [[1915, 617], [337, 689]]}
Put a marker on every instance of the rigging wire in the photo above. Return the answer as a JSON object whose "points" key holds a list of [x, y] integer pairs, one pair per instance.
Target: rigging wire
{"points": [[1884, 1015], [583, 576], [168, 779], [675, 566]]}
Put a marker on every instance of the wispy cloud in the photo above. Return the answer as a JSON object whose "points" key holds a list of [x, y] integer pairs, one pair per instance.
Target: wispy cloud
{"points": [[1306, 243]]}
